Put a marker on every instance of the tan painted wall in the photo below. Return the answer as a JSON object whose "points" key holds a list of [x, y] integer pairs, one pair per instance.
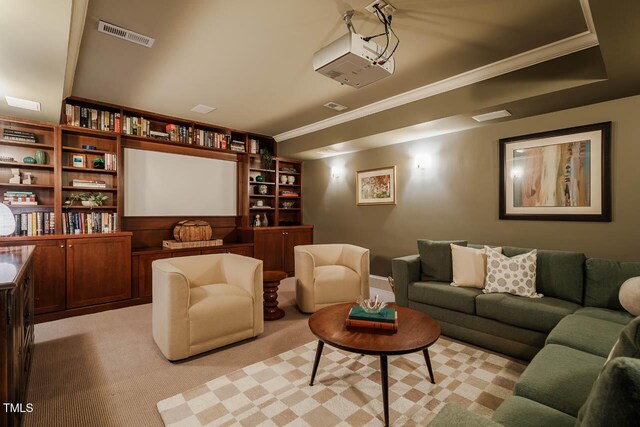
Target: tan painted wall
{"points": [[457, 198]]}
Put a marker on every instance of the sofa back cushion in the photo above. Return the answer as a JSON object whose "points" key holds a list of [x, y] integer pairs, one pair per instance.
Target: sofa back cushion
{"points": [[559, 274], [604, 278], [435, 259]]}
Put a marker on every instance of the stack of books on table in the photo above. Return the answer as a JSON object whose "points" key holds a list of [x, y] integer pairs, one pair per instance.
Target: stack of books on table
{"points": [[386, 319], [20, 198], [85, 183], [18, 135]]}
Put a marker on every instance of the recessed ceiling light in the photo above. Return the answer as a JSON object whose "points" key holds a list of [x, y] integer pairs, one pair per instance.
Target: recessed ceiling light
{"points": [[491, 116], [202, 109], [22, 103], [335, 106]]}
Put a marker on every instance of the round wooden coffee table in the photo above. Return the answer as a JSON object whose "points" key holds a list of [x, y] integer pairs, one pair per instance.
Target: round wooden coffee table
{"points": [[416, 332], [271, 281]]}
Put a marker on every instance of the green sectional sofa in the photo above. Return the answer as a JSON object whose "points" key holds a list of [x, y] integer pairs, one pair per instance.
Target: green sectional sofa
{"points": [[568, 335]]}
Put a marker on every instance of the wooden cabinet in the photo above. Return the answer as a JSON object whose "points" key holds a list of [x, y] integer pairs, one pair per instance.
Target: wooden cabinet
{"points": [[16, 330], [274, 245], [144, 272], [98, 270]]}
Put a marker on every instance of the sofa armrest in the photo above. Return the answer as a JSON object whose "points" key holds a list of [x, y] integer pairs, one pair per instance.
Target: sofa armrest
{"points": [[405, 270], [357, 259], [456, 416]]}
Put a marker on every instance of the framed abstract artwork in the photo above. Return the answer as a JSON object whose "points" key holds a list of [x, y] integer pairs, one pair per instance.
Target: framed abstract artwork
{"points": [[561, 175], [376, 186]]}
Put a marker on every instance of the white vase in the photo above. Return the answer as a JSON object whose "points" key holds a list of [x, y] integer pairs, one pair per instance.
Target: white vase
{"points": [[292, 179], [283, 179]]}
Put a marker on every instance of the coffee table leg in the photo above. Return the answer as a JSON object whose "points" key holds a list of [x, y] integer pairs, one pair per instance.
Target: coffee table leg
{"points": [[428, 360], [384, 374], [317, 361]]}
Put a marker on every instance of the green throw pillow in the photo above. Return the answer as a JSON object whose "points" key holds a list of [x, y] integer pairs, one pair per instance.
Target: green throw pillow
{"points": [[435, 259], [615, 396], [628, 344]]}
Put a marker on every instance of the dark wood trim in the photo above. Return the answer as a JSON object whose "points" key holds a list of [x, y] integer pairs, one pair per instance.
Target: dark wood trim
{"points": [[605, 216], [150, 144]]}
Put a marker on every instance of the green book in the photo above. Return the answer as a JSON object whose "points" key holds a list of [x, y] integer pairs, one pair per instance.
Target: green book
{"points": [[387, 314]]}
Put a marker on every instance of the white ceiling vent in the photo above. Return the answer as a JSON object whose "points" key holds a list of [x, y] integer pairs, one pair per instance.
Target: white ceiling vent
{"points": [[123, 33], [335, 106], [491, 116]]}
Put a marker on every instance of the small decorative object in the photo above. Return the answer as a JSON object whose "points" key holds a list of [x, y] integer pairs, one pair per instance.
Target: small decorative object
{"points": [[41, 157], [561, 175], [79, 161], [262, 189], [371, 305], [29, 160], [257, 222], [251, 178], [376, 186], [98, 163], [192, 230], [291, 179], [265, 220], [27, 178], [259, 178], [266, 158], [88, 147], [87, 199], [6, 159], [283, 179], [16, 176], [259, 203], [288, 204]]}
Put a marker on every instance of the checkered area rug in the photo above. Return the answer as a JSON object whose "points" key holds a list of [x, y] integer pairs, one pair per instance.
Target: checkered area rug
{"points": [[347, 390]]}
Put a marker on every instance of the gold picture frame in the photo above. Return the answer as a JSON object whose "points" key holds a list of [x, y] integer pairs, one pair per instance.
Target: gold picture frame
{"points": [[376, 186]]}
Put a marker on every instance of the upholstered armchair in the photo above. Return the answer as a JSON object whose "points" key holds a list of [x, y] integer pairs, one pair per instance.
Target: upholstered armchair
{"points": [[330, 274], [204, 302]]}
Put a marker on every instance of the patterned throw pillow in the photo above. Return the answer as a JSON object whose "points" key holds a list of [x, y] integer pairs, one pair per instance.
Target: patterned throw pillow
{"points": [[516, 275]]}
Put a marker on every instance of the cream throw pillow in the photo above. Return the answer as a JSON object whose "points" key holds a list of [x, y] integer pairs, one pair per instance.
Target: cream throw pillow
{"points": [[515, 275], [469, 266]]}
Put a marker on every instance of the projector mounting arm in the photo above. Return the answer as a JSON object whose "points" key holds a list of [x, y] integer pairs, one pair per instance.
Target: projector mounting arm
{"points": [[347, 20]]}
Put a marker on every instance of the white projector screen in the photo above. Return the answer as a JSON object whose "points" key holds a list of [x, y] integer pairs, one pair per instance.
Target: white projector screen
{"points": [[162, 184]]}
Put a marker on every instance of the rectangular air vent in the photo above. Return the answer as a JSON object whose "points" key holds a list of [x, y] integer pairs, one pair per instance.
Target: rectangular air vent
{"points": [[335, 106], [123, 33], [491, 116]]}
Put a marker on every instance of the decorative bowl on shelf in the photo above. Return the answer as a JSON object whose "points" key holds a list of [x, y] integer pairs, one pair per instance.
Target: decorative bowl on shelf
{"points": [[89, 203], [372, 306], [288, 204]]}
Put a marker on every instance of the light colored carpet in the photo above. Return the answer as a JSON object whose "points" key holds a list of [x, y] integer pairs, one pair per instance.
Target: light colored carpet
{"points": [[347, 391]]}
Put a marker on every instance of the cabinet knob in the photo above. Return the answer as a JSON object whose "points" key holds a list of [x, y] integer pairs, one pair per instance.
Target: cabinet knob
{"points": [[62, 246], [70, 246]]}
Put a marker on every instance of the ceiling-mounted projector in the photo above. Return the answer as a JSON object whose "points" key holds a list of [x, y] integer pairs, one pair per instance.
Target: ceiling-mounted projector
{"points": [[353, 61]]}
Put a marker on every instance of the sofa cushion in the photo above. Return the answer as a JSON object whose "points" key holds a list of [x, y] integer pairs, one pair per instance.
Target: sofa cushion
{"points": [[538, 314], [615, 396], [559, 274], [628, 344], [218, 310], [469, 266], [588, 334], [621, 317], [336, 283], [604, 278], [516, 275], [560, 377], [517, 411], [443, 295], [435, 259]]}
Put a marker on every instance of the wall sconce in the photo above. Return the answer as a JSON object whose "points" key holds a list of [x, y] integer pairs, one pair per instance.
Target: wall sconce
{"points": [[423, 161], [335, 172]]}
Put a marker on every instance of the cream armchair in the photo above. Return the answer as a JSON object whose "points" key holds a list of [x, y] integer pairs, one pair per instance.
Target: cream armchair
{"points": [[204, 302], [330, 274]]}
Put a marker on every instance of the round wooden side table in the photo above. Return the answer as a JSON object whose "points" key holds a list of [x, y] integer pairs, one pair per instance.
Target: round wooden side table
{"points": [[271, 281]]}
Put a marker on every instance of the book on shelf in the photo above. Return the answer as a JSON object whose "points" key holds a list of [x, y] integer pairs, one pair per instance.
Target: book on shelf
{"points": [[89, 223], [92, 118], [178, 133], [85, 183], [387, 319], [237, 146], [110, 162], [254, 146], [18, 135], [34, 224], [212, 139], [19, 198]]}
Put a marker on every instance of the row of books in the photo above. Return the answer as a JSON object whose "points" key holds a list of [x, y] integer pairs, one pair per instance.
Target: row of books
{"points": [[18, 135], [34, 223], [19, 198], [254, 146], [89, 223], [86, 183], [92, 118], [386, 319], [110, 162]]}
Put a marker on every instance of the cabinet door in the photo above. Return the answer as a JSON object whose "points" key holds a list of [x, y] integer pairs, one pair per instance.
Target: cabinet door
{"points": [[187, 253], [267, 246], [242, 250], [293, 238], [98, 270], [49, 276], [145, 273]]}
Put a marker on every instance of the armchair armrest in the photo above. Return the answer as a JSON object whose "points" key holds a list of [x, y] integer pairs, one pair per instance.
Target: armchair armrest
{"points": [[405, 270], [357, 259], [454, 415], [305, 277], [245, 273]]}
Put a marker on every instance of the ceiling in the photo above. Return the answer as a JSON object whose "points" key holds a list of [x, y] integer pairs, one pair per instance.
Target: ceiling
{"points": [[253, 60]]}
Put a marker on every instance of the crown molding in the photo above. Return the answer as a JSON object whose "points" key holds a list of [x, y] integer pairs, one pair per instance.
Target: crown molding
{"points": [[522, 60]]}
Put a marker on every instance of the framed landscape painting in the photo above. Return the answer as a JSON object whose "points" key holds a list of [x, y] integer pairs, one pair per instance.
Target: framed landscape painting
{"points": [[376, 186], [562, 175]]}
